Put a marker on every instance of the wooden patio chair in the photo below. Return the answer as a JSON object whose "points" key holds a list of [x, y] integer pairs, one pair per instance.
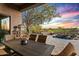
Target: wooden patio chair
{"points": [[42, 38], [2, 51], [32, 37], [67, 51]]}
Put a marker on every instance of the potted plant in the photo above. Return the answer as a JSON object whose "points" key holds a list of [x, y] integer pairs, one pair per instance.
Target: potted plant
{"points": [[2, 35]]}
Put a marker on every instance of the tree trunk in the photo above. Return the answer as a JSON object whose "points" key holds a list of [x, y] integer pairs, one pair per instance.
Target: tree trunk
{"points": [[27, 28]]}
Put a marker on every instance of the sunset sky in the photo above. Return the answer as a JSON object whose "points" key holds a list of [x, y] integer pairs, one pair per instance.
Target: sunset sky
{"points": [[69, 13]]}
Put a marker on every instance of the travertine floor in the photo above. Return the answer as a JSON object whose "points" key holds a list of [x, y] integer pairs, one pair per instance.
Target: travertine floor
{"points": [[61, 43]]}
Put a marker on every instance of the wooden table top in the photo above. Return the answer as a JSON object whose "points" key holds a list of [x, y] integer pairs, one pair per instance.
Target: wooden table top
{"points": [[31, 48]]}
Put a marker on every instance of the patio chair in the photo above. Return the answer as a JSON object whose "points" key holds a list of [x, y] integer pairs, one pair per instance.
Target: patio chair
{"points": [[42, 38], [32, 37], [67, 51], [2, 51]]}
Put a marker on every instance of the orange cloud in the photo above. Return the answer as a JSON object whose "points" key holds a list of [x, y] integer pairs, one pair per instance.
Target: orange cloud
{"points": [[66, 25]]}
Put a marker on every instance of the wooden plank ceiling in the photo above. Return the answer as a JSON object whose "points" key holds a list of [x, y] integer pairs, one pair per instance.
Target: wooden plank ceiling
{"points": [[21, 6], [2, 16]]}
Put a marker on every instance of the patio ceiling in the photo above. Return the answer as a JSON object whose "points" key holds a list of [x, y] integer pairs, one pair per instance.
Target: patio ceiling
{"points": [[2, 16], [22, 6]]}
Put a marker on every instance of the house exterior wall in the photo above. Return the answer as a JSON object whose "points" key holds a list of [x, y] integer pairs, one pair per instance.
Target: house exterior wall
{"points": [[16, 18]]}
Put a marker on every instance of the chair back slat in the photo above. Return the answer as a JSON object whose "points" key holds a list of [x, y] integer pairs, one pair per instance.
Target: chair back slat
{"points": [[32, 37], [68, 50], [42, 38]]}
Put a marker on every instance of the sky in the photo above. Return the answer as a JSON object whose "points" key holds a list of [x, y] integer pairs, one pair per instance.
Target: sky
{"points": [[69, 13]]}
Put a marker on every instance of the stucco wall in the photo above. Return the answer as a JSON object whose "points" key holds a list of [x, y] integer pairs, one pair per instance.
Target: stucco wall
{"points": [[15, 15]]}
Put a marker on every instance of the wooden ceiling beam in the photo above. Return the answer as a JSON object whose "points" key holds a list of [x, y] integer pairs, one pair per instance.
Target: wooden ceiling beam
{"points": [[13, 6], [26, 5], [22, 6]]}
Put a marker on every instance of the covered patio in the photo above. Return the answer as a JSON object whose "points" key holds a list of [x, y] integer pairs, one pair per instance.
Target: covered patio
{"points": [[33, 44]]}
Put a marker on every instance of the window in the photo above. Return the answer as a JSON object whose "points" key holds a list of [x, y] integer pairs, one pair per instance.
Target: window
{"points": [[5, 24]]}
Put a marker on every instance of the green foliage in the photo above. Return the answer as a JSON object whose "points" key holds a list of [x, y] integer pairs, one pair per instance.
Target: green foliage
{"points": [[69, 31], [36, 28], [50, 31], [2, 34]]}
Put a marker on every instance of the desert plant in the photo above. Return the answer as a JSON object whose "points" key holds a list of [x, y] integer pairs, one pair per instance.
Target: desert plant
{"points": [[36, 28]]}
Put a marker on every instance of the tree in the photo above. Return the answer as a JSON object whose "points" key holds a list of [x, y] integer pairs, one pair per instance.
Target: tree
{"points": [[49, 12], [38, 16], [28, 18]]}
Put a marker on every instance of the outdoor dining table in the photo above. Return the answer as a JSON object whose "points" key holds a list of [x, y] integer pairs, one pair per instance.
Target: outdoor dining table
{"points": [[32, 48]]}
